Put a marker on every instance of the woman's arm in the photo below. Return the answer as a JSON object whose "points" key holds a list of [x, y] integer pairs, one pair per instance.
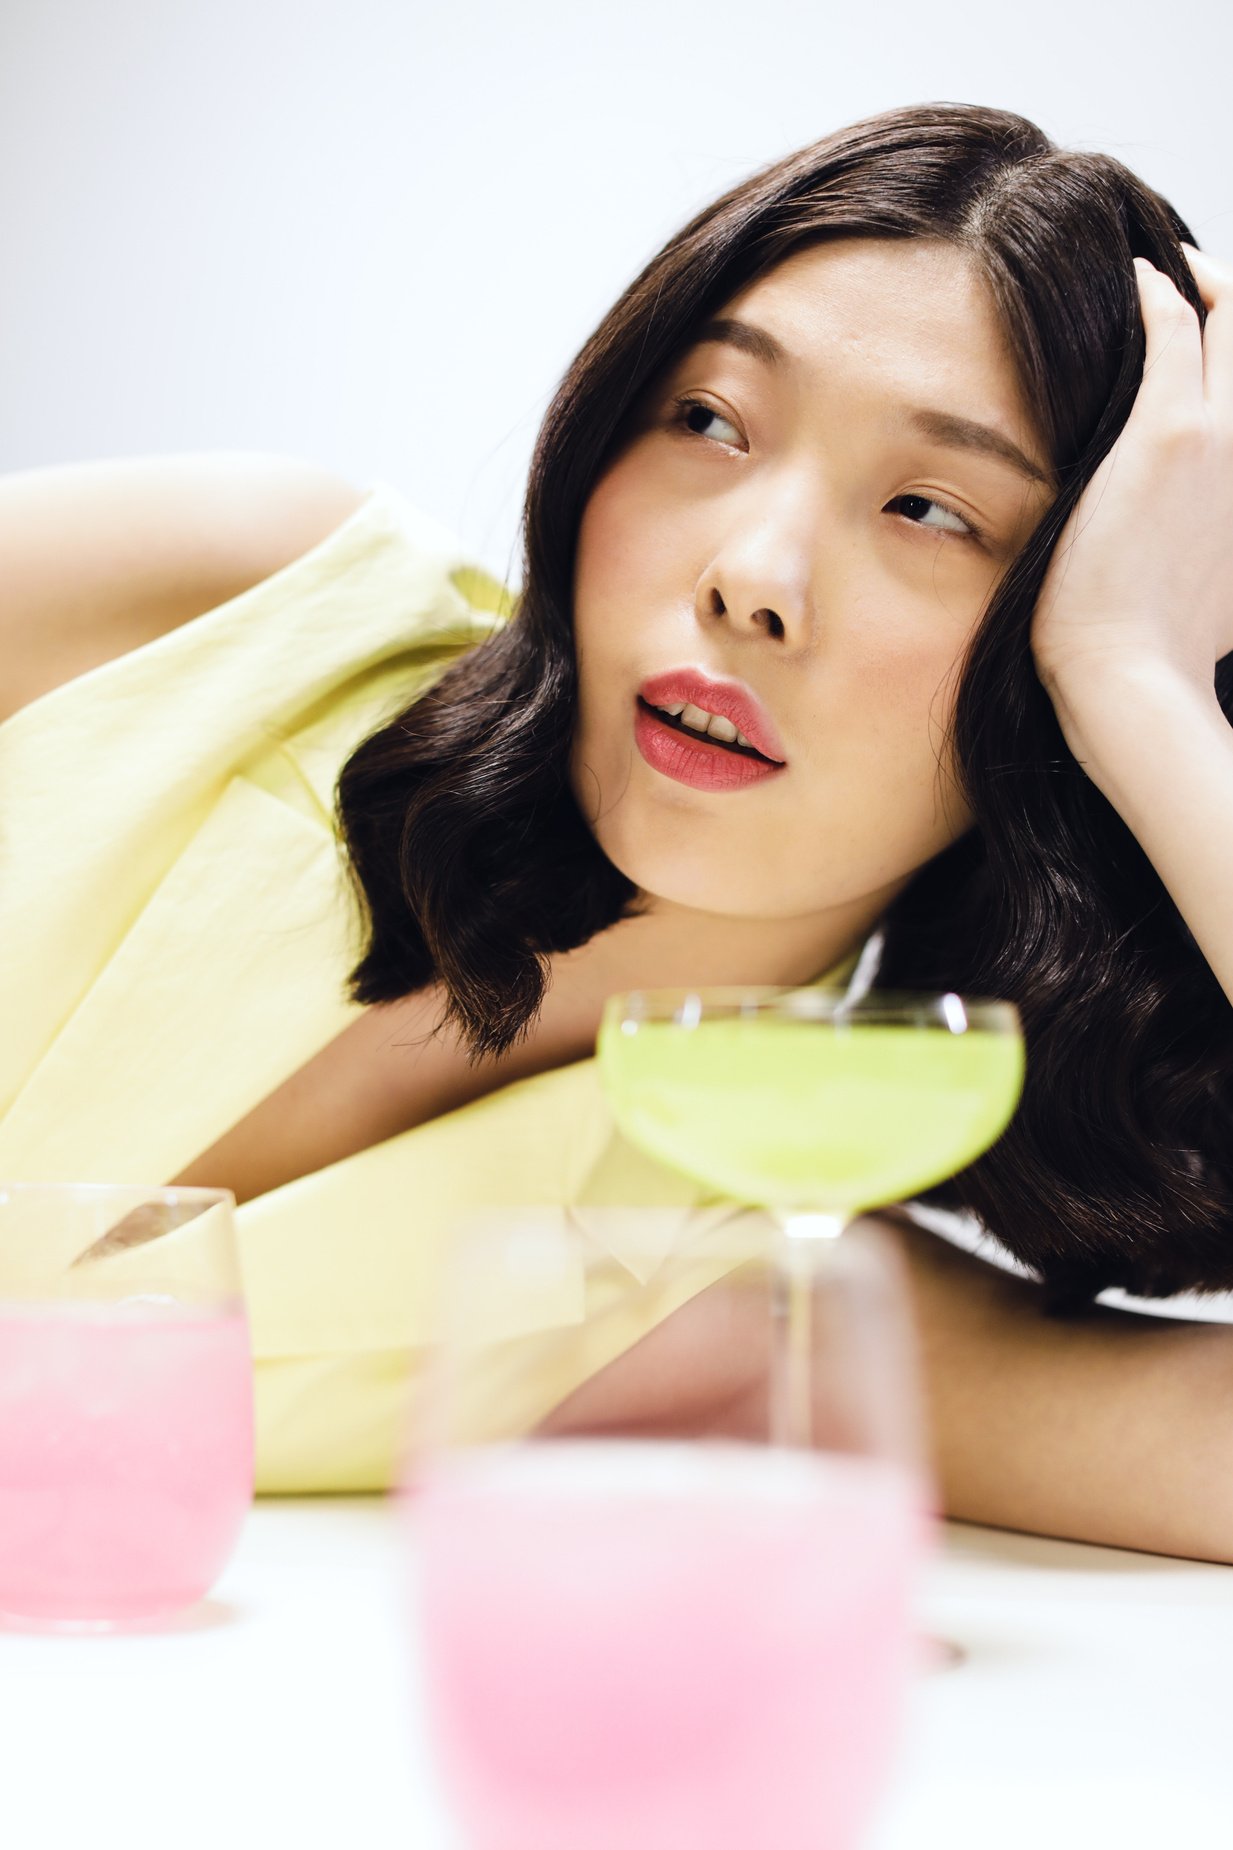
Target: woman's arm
{"points": [[1115, 1427], [1135, 612], [97, 558], [1161, 750]]}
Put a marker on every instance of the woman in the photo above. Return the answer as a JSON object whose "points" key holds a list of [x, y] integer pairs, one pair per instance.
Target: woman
{"points": [[832, 452]]}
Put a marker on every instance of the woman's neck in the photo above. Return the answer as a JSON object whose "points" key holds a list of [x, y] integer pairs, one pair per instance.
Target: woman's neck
{"points": [[670, 946]]}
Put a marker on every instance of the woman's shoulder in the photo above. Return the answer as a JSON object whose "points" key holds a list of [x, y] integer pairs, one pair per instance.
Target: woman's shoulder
{"points": [[98, 558]]}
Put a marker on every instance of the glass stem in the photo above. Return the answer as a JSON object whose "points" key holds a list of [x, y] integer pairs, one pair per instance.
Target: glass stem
{"points": [[804, 1240]]}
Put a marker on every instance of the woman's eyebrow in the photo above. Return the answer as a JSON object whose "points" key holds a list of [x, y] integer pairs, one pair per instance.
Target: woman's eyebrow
{"points": [[944, 427]]}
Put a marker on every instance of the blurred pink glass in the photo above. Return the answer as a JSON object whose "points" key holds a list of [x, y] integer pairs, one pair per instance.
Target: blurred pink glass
{"points": [[638, 1618], [126, 1402]]}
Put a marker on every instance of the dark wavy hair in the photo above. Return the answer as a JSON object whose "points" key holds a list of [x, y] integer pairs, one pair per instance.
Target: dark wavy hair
{"points": [[473, 862]]}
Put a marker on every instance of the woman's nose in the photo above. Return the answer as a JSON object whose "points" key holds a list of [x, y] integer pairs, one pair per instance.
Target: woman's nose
{"points": [[761, 576]]}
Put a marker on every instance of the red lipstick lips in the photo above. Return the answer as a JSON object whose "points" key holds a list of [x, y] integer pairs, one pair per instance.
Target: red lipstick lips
{"points": [[692, 757], [730, 699]]}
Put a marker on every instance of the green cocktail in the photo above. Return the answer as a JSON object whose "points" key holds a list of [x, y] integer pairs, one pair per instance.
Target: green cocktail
{"points": [[810, 1113], [809, 1104]]}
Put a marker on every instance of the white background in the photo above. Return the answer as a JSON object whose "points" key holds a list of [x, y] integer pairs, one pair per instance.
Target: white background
{"points": [[374, 232]]}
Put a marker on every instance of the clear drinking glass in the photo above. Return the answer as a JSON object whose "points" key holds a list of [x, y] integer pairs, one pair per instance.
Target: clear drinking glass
{"points": [[813, 1104], [126, 1401], [636, 1618]]}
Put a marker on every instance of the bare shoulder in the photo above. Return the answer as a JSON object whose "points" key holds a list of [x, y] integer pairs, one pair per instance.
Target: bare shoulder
{"points": [[97, 558]]}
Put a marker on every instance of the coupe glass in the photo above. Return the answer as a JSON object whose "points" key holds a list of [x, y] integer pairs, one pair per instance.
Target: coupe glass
{"points": [[635, 1618], [126, 1401], [814, 1104], [817, 1103]]}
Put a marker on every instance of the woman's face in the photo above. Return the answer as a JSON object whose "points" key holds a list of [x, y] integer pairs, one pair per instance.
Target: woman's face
{"points": [[802, 534]]}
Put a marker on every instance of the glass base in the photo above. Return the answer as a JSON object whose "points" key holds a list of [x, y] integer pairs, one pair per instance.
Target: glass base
{"points": [[180, 1614], [939, 1653]]}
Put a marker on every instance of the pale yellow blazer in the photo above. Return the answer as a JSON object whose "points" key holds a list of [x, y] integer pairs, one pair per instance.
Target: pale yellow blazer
{"points": [[177, 931]]}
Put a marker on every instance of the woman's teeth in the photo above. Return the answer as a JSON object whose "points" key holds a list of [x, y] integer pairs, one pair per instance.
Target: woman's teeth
{"points": [[700, 721]]}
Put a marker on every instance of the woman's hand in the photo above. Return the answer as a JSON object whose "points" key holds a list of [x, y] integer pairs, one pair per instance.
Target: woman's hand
{"points": [[1142, 573], [1137, 609]]}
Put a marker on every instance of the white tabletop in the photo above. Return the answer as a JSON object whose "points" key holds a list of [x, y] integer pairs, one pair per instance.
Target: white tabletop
{"points": [[1092, 1709]]}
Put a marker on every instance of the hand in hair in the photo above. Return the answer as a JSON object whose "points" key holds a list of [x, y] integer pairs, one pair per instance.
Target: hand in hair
{"points": [[1142, 573]]}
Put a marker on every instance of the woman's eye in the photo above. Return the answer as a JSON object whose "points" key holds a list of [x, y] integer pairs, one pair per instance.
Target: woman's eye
{"points": [[964, 529], [685, 411]]}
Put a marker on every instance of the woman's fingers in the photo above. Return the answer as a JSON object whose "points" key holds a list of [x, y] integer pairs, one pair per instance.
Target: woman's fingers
{"points": [[1214, 281], [1173, 391]]}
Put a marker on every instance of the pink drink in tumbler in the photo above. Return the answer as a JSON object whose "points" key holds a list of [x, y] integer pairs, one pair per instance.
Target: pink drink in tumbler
{"points": [[126, 1456], [663, 1643]]}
